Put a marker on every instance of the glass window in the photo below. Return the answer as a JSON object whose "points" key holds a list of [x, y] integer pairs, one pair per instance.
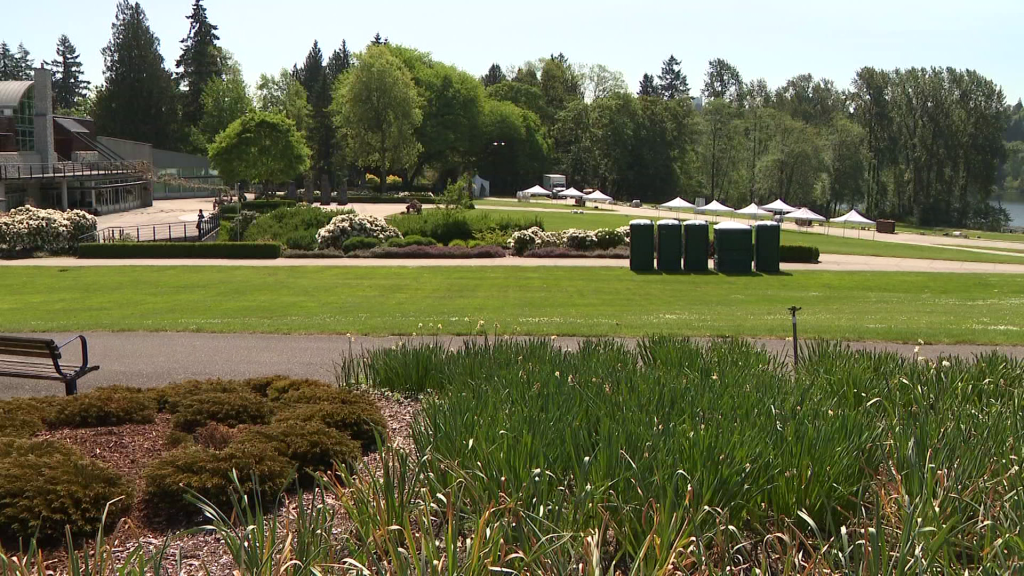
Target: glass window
{"points": [[24, 122]]}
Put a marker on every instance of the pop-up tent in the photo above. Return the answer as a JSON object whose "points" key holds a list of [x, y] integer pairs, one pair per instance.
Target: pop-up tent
{"points": [[779, 207], [752, 211], [535, 191], [677, 204], [598, 196], [853, 217], [571, 193], [804, 215], [715, 207]]}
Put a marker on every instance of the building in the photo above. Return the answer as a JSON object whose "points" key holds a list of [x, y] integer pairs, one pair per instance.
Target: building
{"points": [[53, 161]]}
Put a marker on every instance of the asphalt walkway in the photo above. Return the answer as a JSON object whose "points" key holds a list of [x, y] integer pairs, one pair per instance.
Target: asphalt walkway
{"points": [[147, 359]]}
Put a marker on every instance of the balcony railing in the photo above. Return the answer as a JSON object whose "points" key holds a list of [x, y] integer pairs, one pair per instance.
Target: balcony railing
{"points": [[70, 169]]}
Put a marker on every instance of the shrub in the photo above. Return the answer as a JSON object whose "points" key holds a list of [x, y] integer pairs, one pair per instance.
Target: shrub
{"points": [[230, 209], [480, 244], [109, 406], [346, 226], [526, 240], [310, 445], [46, 485], [559, 252], [27, 230], [25, 417], [490, 238], [244, 221], [441, 225], [318, 254], [284, 223], [372, 181], [280, 387], [231, 409], [608, 238], [170, 398], [458, 244], [208, 473], [213, 436], [799, 254], [389, 199], [267, 206], [579, 239], [392, 180], [359, 243], [303, 240], [356, 416], [428, 252], [230, 250], [410, 241]]}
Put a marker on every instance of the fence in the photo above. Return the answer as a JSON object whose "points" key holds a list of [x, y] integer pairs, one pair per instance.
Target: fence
{"points": [[69, 169], [167, 232]]}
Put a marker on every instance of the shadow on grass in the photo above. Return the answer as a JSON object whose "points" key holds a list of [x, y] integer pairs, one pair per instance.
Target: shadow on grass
{"points": [[751, 274]]}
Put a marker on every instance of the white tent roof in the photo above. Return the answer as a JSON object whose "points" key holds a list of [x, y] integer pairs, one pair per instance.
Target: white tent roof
{"points": [[732, 226], [716, 206], [571, 193], [853, 217], [677, 203], [752, 210], [536, 191], [779, 206], [598, 196], [804, 214]]}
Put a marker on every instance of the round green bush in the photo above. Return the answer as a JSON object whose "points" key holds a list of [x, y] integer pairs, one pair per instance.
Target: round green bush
{"points": [[170, 397], [419, 241], [476, 244], [46, 485], [231, 409], [303, 240], [396, 243], [359, 243], [20, 426], [109, 406], [354, 414], [310, 445], [458, 244], [208, 473]]}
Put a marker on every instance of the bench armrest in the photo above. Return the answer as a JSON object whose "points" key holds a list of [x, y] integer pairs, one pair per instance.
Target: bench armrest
{"points": [[85, 356]]}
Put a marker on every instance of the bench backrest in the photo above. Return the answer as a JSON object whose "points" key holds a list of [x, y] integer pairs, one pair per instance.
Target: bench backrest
{"points": [[28, 347]]}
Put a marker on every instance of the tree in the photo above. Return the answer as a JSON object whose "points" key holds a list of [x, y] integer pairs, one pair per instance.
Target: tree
{"points": [[259, 147], [513, 149], [139, 98], [808, 100], [672, 82], [845, 161], [523, 95], [68, 86], [378, 40], [283, 94], [720, 147], [793, 163], [495, 75], [560, 85], [316, 80], [338, 63], [200, 62], [22, 64], [224, 101], [575, 145], [723, 82], [6, 62], [529, 74], [600, 81], [377, 106], [648, 86]]}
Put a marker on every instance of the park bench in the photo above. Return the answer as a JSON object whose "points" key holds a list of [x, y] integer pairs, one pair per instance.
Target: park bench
{"points": [[40, 359]]}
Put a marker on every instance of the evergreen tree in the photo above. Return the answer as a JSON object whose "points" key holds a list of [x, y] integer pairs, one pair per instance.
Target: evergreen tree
{"points": [[68, 86], [339, 61], [648, 86], [139, 98], [313, 75], [495, 75], [378, 41], [200, 62], [672, 82], [23, 64], [6, 62]]}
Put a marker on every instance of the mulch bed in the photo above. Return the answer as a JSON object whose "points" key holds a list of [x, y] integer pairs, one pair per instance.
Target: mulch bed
{"points": [[129, 450]]}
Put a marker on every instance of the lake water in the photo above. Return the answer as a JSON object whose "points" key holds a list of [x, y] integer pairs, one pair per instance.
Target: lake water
{"points": [[1014, 204]]}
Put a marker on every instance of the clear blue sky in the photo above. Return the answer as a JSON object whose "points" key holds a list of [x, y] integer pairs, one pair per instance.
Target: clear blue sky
{"points": [[774, 40]]}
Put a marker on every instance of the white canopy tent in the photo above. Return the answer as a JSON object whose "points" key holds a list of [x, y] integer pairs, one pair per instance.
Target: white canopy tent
{"points": [[752, 211], [779, 207], [715, 207], [571, 193], [677, 204], [535, 191], [853, 217], [805, 215], [598, 196]]}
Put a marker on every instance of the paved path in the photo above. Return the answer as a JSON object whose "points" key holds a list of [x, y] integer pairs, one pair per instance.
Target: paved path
{"points": [[829, 262], [152, 359]]}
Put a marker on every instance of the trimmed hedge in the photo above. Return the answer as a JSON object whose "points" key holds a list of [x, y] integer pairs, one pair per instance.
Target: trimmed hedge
{"points": [[797, 254], [410, 241], [559, 252], [230, 250], [377, 199], [266, 206], [435, 252], [359, 243]]}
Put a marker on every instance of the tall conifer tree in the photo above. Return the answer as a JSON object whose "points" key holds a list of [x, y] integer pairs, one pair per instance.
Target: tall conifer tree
{"points": [[68, 86], [200, 61]]}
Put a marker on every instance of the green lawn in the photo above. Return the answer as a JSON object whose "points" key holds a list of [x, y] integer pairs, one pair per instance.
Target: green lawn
{"points": [[537, 301], [826, 243], [532, 205]]}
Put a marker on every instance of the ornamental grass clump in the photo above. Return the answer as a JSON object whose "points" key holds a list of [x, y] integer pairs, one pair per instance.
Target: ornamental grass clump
{"points": [[341, 228]]}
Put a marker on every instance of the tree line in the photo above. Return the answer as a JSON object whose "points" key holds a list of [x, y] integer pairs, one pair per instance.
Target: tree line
{"points": [[931, 146]]}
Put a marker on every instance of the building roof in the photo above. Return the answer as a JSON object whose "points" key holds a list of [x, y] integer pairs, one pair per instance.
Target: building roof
{"points": [[70, 125], [12, 91]]}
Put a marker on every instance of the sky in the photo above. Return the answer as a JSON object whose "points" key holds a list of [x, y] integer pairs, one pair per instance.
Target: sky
{"points": [[774, 40]]}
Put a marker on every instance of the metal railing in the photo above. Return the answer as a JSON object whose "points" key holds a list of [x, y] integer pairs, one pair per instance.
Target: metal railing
{"points": [[69, 169], [166, 232]]}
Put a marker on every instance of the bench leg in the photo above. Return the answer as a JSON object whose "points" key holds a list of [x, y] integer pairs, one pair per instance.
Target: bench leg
{"points": [[71, 387]]}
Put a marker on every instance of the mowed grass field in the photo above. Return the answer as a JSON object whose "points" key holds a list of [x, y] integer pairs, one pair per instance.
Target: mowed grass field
{"points": [[554, 221], [939, 308]]}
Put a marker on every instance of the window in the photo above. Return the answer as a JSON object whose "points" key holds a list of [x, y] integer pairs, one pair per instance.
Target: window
{"points": [[24, 123]]}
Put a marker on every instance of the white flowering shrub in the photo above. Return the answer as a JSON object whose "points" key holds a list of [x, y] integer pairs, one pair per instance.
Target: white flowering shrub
{"points": [[624, 230], [346, 226], [579, 239], [525, 240], [608, 238], [30, 230]]}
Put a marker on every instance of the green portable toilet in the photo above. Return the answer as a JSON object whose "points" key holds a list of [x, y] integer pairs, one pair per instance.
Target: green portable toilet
{"points": [[767, 238], [695, 246], [734, 248], [641, 246], [670, 246]]}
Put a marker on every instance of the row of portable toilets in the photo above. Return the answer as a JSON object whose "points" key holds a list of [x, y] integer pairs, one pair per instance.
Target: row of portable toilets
{"points": [[679, 246]]}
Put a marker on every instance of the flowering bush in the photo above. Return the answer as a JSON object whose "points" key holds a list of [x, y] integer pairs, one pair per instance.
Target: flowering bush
{"points": [[346, 226], [624, 230], [608, 238], [525, 240], [575, 239], [29, 230], [372, 181], [394, 180]]}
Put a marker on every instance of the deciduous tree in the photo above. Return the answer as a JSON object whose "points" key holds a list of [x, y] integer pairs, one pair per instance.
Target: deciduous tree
{"points": [[260, 147]]}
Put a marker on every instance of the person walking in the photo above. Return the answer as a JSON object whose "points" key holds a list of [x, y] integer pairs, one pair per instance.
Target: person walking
{"points": [[199, 224]]}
